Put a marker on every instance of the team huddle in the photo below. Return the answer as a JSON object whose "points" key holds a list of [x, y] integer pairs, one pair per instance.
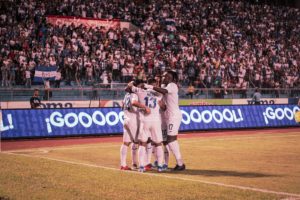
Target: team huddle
{"points": [[151, 122]]}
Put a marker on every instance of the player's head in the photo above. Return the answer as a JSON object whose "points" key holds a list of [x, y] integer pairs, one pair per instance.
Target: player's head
{"points": [[169, 77], [152, 81], [158, 79], [138, 82]]}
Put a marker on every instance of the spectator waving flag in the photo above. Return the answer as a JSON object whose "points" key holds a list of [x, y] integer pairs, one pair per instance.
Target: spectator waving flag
{"points": [[44, 72]]}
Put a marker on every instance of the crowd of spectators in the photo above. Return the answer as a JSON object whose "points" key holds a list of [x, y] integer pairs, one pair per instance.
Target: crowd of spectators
{"points": [[221, 44]]}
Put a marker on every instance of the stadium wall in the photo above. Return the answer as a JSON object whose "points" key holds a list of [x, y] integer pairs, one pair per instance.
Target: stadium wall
{"points": [[118, 103], [37, 123]]}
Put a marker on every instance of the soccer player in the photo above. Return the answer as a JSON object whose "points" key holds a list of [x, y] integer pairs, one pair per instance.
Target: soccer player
{"points": [[151, 125], [164, 131], [173, 114], [163, 108], [131, 127]]}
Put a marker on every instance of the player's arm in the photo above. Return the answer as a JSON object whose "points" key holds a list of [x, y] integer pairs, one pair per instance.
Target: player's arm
{"points": [[162, 105], [130, 87], [160, 90], [171, 88], [141, 106], [157, 89]]}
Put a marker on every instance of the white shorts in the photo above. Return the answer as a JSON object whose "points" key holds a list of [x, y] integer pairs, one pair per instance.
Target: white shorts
{"points": [[131, 129], [173, 125], [151, 129]]}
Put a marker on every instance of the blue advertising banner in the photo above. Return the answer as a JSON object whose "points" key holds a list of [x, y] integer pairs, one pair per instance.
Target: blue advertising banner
{"points": [[104, 121]]}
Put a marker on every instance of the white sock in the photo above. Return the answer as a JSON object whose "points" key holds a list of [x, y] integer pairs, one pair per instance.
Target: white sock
{"points": [[134, 149], [123, 154], [166, 152], [154, 153], [160, 155], [149, 154], [174, 147], [142, 154]]}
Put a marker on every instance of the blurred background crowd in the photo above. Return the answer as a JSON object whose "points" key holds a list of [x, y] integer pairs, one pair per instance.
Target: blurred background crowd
{"points": [[210, 44]]}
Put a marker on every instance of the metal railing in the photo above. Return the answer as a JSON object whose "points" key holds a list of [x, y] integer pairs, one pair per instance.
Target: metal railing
{"points": [[117, 92]]}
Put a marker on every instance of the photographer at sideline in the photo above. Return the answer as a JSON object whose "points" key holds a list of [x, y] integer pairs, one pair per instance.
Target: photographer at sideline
{"points": [[256, 97], [35, 101], [191, 90]]}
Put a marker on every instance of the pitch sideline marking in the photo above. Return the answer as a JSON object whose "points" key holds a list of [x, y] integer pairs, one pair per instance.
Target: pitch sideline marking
{"points": [[164, 176], [258, 132], [246, 137], [84, 146], [47, 149]]}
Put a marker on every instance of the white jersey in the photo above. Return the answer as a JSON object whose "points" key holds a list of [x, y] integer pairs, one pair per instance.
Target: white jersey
{"points": [[171, 100], [150, 99], [130, 111], [163, 112], [151, 126]]}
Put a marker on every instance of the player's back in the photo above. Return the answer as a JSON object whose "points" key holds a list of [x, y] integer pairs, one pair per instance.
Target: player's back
{"points": [[129, 110], [150, 99]]}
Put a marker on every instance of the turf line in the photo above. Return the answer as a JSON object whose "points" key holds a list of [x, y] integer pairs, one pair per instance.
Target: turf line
{"points": [[79, 146], [164, 176], [240, 138], [96, 145]]}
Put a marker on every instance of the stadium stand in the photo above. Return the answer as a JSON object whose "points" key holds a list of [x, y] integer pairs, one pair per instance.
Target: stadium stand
{"points": [[211, 44]]}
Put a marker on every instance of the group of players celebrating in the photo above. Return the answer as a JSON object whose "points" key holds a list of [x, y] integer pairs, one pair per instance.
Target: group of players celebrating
{"points": [[151, 122]]}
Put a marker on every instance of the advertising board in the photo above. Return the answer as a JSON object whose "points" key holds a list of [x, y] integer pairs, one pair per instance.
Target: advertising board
{"points": [[103, 121]]}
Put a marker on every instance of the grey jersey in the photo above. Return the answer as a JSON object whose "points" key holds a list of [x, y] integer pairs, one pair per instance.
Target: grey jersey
{"points": [[256, 97]]}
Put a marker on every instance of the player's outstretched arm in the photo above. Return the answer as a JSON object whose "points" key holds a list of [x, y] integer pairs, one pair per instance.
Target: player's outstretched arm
{"points": [[143, 107], [129, 87], [157, 89]]}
